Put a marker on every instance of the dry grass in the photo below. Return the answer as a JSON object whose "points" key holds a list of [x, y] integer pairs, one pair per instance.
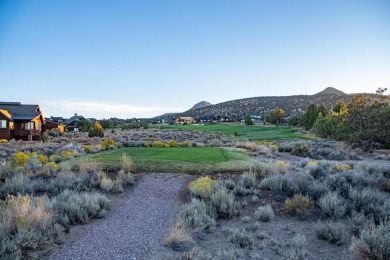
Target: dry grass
{"points": [[178, 237], [257, 148], [89, 165], [126, 163]]}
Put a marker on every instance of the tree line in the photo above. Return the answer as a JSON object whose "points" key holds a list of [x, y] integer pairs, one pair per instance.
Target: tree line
{"points": [[363, 122]]}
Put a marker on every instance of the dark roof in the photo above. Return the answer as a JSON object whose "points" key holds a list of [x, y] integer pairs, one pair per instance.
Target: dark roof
{"points": [[19, 111], [9, 103], [72, 119], [55, 119], [50, 122]]}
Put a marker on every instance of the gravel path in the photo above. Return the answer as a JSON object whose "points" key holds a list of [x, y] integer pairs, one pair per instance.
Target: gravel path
{"points": [[131, 228]]}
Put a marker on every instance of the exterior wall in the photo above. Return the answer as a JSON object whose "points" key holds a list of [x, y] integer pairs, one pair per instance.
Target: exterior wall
{"points": [[4, 132], [52, 125], [19, 133], [72, 127], [181, 120]]}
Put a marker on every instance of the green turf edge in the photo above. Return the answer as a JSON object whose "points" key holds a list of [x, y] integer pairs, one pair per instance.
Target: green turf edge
{"points": [[239, 162]]}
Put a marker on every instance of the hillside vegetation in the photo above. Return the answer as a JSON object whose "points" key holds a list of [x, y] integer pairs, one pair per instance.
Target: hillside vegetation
{"points": [[293, 105]]}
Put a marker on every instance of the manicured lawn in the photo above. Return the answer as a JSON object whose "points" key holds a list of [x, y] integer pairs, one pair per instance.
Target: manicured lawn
{"points": [[244, 132], [189, 160], [196, 155]]}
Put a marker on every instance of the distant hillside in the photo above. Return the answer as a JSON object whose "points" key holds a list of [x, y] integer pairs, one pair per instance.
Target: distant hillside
{"points": [[330, 91], [199, 105], [293, 105]]}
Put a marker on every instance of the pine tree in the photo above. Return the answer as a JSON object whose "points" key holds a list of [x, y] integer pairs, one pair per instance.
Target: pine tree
{"points": [[308, 119], [248, 120]]}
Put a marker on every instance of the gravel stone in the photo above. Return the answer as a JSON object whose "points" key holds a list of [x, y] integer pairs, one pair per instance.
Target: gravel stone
{"points": [[131, 229]]}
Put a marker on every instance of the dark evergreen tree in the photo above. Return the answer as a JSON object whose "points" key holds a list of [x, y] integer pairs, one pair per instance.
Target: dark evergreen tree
{"points": [[323, 110], [340, 107], [84, 125], [248, 120], [308, 119]]}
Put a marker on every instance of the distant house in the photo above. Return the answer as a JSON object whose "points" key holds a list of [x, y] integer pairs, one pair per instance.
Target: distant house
{"points": [[19, 121], [287, 117], [56, 119], [49, 125], [71, 123], [185, 120]]}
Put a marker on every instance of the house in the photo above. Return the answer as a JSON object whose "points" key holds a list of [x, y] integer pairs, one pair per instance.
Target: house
{"points": [[19, 121], [56, 119], [49, 125], [185, 120], [71, 123]]}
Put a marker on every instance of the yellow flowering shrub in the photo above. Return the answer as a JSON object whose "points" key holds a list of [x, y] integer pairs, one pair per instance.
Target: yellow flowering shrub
{"points": [[184, 144], [273, 146], [3, 141], [51, 168], [146, 144], [86, 148], [19, 159], [311, 164], [282, 166], [107, 144], [340, 167], [42, 159], [298, 204], [203, 187], [66, 155], [150, 138], [158, 144], [172, 143]]}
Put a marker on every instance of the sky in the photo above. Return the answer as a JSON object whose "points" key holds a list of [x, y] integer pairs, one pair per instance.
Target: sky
{"points": [[130, 59]]}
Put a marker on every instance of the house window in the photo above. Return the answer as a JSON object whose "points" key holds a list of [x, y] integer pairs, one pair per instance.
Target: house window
{"points": [[11, 125], [39, 126], [29, 126], [3, 123]]}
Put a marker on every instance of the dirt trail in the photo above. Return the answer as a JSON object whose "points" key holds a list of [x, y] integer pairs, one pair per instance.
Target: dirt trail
{"points": [[139, 219]]}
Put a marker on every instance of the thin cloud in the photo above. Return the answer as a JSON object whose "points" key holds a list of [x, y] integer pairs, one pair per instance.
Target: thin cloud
{"points": [[104, 109]]}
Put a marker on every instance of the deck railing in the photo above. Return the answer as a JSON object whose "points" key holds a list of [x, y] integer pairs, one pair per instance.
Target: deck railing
{"points": [[33, 132]]}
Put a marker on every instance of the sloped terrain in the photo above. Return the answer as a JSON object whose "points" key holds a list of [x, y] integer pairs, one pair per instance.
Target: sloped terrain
{"points": [[294, 105], [200, 105]]}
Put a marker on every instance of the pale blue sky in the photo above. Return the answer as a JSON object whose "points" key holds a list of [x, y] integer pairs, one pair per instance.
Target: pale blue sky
{"points": [[144, 58]]}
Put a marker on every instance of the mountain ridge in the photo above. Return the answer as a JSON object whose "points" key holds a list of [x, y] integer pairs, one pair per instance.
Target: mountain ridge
{"points": [[293, 105], [199, 105], [330, 91]]}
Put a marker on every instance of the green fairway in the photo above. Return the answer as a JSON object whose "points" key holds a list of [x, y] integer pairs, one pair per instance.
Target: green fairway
{"points": [[196, 155], [188, 160], [246, 132]]}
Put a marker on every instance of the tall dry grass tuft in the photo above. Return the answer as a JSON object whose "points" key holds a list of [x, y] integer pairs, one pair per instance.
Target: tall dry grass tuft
{"points": [[19, 210], [27, 230], [89, 166], [126, 163], [178, 237], [254, 147]]}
